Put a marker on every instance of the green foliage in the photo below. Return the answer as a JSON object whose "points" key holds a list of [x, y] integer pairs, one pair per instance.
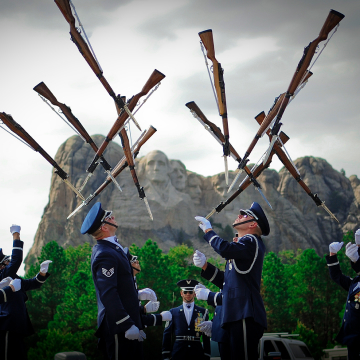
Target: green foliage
{"points": [[275, 294]]}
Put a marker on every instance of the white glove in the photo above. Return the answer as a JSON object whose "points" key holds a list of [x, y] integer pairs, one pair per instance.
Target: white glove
{"points": [[15, 228], [357, 237], [16, 283], [206, 327], [352, 252], [152, 306], [199, 286], [201, 293], [334, 247], [133, 333], [5, 282], [204, 224], [199, 259], [142, 336], [147, 294], [166, 316], [44, 266]]}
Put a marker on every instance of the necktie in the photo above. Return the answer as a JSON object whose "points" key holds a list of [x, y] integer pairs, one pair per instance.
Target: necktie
{"points": [[188, 306]]}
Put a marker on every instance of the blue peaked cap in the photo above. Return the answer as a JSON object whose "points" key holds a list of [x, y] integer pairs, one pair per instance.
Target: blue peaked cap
{"points": [[262, 219], [93, 221]]}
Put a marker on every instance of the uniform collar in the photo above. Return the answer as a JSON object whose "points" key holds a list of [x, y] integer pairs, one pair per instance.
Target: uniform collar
{"points": [[185, 305]]}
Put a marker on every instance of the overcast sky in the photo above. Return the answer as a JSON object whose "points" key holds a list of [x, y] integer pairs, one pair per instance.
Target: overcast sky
{"points": [[258, 42]]}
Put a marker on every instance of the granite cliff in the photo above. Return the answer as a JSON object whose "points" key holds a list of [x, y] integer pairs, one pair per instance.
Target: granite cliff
{"points": [[176, 195]]}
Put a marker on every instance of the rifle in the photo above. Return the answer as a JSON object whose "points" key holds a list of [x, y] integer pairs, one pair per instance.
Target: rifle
{"points": [[19, 131], [295, 173], [153, 80], [45, 92], [130, 160], [218, 73], [247, 181], [64, 6], [264, 126], [332, 20], [217, 134], [122, 164]]}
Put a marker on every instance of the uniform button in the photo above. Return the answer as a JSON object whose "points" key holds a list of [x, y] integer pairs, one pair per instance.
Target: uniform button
{"points": [[117, 248], [349, 301], [347, 310], [344, 320], [188, 328], [189, 346], [215, 313], [223, 283]]}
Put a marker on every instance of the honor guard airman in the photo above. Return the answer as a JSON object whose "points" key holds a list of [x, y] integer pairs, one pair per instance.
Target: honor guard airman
{"points": [[184, 328], [243, 313], [119, 319], [349, 333]]}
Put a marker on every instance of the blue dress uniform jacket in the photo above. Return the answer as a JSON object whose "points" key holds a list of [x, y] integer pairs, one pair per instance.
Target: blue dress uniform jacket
{"points": [[6, 294], [240, 283], [13, 313], [15, 262], [350, 330], [117, 297], [184, 349]]}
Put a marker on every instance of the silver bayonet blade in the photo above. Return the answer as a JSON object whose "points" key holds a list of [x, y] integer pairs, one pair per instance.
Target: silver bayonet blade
{"points": [[226, 170], [148, 208], [67, 182], [235, 180], [262, 194], [76, 210], [113, 179], [329, 212], [85, 182], [268, 151], [132, 117]]}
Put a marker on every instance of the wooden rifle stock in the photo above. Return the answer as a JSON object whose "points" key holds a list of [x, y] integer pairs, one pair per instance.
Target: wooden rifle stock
{"points": [[44, 91], [218, 73], [153, 80], [208, 41], [216, 130], [18, 130], [331, 21]]}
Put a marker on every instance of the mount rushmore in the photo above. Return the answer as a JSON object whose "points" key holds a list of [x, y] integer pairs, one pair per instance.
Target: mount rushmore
{"points": [[176, 195]]}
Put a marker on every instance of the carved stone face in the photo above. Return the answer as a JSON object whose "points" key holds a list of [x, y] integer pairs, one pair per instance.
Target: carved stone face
{"points": [[221, 188], [157, 167], [178, 175], [194, 189]]}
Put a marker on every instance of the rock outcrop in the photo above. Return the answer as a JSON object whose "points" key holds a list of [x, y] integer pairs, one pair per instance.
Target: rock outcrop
{"points": [[176, 195]]}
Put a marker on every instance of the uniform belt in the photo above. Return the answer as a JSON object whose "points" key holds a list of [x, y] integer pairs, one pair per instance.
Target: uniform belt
{"points": [[188, 338]]}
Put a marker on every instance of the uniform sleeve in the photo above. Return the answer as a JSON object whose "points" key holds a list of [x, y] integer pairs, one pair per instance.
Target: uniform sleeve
{"points": [[215, 299], [34, 283], [336, 274], [15, 262], [151, 320], [6, 294], [244, 249], [356, 266], [107, 290], [166, 344], [206, 342], [214, 275]]}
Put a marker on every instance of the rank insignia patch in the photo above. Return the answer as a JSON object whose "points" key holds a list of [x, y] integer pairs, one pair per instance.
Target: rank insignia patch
{"points": [[108, 273]]}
